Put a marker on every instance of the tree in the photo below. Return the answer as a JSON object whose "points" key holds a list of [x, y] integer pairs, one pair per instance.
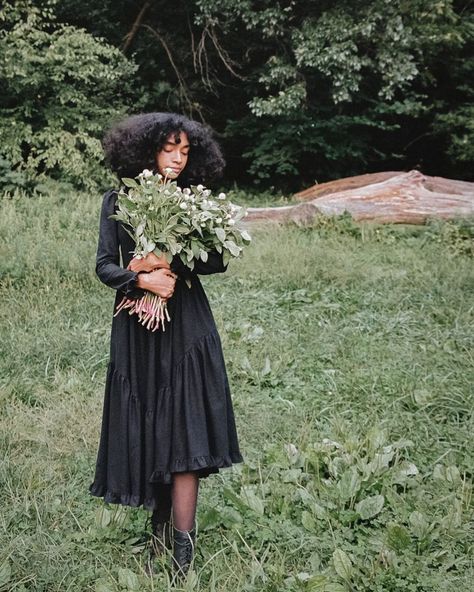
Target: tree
{"points": [[60, 84]]}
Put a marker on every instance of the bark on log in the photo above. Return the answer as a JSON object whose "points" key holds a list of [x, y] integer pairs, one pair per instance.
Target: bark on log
{"points": [[388, 197]]}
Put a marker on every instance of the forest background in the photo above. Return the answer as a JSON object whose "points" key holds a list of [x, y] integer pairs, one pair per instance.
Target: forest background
{"points": [[298, 92]]}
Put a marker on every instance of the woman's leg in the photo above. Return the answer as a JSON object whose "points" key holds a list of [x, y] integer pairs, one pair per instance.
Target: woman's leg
{"points": [[163, 511], [184, 495]]}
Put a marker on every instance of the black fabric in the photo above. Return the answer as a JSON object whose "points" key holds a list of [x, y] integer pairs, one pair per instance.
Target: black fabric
{"points": [[167, 404]]}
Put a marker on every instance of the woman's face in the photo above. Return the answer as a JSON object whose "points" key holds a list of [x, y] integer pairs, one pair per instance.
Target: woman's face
{"points": [[173, 155]]}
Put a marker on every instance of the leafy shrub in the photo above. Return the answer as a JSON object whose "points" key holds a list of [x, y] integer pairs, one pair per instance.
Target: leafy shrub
{"points": [[60, 86]]}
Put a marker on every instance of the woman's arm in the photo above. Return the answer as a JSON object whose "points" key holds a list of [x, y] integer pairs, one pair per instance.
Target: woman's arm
{"points": [[214, 264], [108, 267]]}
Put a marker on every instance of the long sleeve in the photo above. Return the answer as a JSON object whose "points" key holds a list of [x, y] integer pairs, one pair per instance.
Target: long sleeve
{"points": [[214, 264], [108, 267]]}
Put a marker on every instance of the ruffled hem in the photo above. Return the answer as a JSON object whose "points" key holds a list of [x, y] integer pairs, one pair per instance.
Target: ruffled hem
{"points": [[152, 431], [203, 465]]}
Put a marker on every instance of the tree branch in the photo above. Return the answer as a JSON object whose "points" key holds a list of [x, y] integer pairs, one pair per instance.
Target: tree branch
{"points": [[127, 40], [182, 85]]}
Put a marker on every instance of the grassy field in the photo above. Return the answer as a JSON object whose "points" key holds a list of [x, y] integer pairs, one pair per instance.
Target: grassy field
{"points": [[350, 356]]}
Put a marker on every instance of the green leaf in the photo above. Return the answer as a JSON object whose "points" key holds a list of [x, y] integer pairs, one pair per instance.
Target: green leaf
{"points": [[419, 525], [195, 249], [102, 517], [129, 182], [5, 573], [181, 229], [128, 579], [267, 368], [234, 498], [232, 247], [204, 255], [253, 501], [226, 257], [307, 521], [101, 586], [220, 233], [452, 474], [317, 583], [342, 564], [370, 506], [349, 484]]}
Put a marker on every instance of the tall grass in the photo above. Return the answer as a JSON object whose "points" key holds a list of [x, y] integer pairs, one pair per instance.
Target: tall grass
{"points": [[350, 356]]}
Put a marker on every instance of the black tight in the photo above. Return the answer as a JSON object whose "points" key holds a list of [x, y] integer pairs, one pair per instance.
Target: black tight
{"points": [[181, 498], [184, 495]]}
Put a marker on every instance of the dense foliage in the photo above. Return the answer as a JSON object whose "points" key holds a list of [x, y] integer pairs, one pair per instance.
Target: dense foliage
{"points": [[298, 91]]}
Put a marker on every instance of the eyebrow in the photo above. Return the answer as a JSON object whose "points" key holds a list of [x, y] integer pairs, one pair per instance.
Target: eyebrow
{"points": [[178, 144]]}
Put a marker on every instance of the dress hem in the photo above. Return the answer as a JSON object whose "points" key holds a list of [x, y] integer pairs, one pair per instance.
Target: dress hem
{"points": [[203, 465]]}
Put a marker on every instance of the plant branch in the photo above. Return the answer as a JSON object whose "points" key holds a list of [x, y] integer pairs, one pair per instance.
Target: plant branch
{"points": [[127, 40], [182, 84]]}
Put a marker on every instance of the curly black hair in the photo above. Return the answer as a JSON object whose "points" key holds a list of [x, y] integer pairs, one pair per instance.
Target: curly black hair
{"points": [[131, 146]]}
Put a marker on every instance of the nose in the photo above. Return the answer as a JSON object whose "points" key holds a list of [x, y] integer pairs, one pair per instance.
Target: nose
{"points": [[177, 157]]}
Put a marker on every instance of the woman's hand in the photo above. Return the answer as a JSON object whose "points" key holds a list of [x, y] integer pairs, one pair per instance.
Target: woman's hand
{"points": [[160, 281], [148, 263]]}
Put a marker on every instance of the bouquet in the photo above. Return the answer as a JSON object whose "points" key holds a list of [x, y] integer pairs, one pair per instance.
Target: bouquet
{"points": [[165, 219]]}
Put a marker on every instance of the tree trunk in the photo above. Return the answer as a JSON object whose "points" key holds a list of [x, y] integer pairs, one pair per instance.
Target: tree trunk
{"points": [[388, 197]]}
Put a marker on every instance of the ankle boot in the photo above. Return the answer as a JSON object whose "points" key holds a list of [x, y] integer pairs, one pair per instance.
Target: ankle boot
{"points": [[160, 538], [183, 549]]}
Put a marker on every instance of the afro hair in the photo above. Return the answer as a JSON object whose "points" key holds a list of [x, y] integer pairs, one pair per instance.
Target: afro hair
{"points": [[131, 146]]}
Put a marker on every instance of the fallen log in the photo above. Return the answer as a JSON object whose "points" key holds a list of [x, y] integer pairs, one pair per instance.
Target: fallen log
{"points": [[387, 197]]}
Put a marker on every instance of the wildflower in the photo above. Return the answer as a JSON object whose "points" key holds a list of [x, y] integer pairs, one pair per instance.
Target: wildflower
{"points": [[159, 203]]}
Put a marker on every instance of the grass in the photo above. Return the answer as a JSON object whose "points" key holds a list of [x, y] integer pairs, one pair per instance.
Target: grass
{"points": [[349, 351]]}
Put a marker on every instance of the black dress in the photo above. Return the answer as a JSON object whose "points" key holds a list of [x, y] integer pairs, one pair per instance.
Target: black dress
{"points": [[167, 405]]}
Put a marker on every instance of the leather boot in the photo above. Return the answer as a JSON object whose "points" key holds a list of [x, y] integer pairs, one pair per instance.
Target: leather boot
{"points": [[183, 549], [160, 541], [160, 538]]}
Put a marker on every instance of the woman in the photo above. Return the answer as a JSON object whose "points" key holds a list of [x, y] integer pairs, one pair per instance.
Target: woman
{"points": [[167, 417]]}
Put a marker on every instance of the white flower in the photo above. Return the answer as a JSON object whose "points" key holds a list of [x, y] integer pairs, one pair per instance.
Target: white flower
{"points": [[193, 207], [187, 191], [221, 196], [146, 173], [183, 206], [231, 222], [203, 224], [200, 187], [207, 193], [168, 170], [218, 220]]}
